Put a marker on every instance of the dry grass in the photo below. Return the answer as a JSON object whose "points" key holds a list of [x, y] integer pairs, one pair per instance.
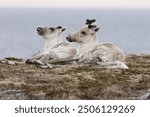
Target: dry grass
{"points": [[22, 81]]}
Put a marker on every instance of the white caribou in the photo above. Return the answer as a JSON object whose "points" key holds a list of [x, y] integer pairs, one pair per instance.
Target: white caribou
{"points": [[54, 48], [90, 51]]}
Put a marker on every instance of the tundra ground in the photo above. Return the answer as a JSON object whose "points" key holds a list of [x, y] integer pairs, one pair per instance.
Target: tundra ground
{"points": [[25, 81]]}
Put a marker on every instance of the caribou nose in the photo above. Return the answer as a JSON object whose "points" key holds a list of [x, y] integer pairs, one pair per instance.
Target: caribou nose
{"points": [[69, 38], [39, 28]]}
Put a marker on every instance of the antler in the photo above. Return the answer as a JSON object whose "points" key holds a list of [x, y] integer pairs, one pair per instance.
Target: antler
{"points": [[89, 22]]}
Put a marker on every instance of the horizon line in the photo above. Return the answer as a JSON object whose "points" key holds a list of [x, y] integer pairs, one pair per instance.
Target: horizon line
{"points": [[53, 7]]}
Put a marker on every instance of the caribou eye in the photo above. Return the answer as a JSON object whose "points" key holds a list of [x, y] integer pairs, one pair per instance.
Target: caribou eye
{"points": [[51, 29], [83, 33], [59, 27]]}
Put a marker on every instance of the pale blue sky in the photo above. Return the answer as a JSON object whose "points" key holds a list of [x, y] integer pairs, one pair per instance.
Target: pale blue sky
{"points": [[142, 4]]}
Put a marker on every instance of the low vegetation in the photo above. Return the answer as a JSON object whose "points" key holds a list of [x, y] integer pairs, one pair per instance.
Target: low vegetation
{"points": [[26, 81]]}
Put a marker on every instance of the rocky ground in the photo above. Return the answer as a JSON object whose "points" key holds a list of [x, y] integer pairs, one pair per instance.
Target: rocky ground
{"points": [[26, 81]]}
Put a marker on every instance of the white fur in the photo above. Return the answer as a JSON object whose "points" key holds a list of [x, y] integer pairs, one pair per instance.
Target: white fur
{"points": [[106, 55], [54, 48], [50, 43]]}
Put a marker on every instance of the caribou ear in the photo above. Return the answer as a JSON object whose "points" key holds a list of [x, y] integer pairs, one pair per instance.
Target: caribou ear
{"points": [[59, 27], [63, 29], [97, 29]]}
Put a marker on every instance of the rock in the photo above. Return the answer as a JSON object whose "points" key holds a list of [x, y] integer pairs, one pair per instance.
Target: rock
{"points": [[135, 78], [3, 61], [20, 63], [47, 66], [145, 96], [10, 62], [13, 94]]}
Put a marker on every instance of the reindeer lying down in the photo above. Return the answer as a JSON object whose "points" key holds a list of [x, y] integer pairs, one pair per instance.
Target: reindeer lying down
{"points": [[90, 51], [54, 48]]}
